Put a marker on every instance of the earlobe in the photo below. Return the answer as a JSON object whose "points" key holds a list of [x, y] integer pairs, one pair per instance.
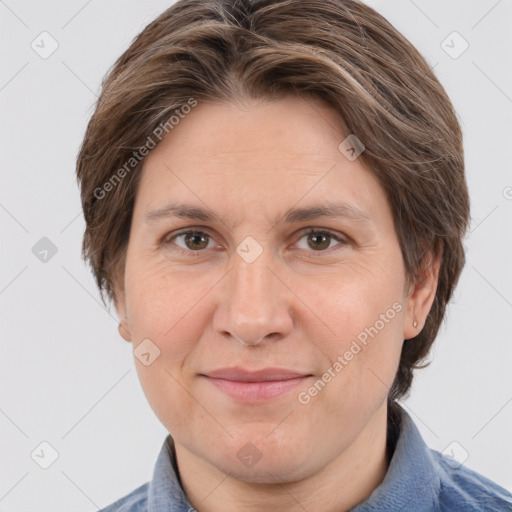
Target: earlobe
{"points": [[123, 327], [421, 296], [124, 330]]}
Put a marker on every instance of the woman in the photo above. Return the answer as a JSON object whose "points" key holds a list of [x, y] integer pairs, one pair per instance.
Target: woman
{"points": [[275, 201]]}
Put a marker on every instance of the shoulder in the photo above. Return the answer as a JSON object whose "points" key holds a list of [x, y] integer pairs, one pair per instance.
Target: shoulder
{"points": [[136, 501], [462, 488]]}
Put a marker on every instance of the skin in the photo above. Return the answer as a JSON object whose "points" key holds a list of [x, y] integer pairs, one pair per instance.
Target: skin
{"points": [[295, 306]]}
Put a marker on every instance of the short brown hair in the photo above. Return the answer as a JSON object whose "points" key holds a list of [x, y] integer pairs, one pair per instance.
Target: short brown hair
{"points": [[340, 51]]}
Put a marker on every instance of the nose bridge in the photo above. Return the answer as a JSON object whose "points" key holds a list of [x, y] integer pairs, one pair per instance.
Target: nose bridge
{"points": [[252, 287], [255, 303]]}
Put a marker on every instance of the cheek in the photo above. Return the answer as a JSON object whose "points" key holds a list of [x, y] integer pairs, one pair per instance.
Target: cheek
{"points": [[364, 314], [350, 302], [166, 308], [163, 306], [170, 399], [161, 300]]}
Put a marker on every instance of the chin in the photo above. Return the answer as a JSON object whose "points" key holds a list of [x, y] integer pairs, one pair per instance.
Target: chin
{"points": [[257, 458], [266, 470]]}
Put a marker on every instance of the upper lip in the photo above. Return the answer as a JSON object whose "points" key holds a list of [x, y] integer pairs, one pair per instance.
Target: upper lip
{"points": [[265, 374]]}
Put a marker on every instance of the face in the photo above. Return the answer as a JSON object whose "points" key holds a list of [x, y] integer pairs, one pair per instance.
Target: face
{"points": [[318, 302]]}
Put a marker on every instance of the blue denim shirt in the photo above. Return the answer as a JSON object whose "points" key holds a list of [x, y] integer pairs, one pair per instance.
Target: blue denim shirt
{"points": [[418, 479]]}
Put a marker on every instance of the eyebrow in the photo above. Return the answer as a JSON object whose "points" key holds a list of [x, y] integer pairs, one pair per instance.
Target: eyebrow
{"points": [[328, 210]]}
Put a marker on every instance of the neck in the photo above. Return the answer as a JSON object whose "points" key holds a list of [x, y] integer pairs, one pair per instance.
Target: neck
{"points": [[343, 483]]}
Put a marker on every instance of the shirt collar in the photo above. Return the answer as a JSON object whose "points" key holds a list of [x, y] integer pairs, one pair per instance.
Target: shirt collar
{"points": [[412, 480], [165, 491]]}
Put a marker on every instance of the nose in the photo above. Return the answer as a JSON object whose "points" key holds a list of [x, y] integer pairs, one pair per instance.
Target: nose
{"points": [[243, 342], [254, 304]]}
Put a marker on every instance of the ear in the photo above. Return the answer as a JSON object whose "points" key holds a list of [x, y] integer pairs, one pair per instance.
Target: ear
{"points": [[123, 327], [120, 304], [422, 293]]}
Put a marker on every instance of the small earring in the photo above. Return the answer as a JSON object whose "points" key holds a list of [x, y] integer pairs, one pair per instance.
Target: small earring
{"points": [[415, 324]]}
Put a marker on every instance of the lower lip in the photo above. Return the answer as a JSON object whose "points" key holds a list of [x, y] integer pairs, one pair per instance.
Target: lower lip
{"points": [[256, 391]]}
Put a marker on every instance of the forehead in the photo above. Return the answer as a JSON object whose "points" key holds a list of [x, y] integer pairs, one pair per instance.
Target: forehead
{"points": [[256, 154], [299, 127]]}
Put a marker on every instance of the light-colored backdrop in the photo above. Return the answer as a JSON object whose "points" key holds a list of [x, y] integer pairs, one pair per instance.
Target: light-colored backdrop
{"points": [[68, 379]]}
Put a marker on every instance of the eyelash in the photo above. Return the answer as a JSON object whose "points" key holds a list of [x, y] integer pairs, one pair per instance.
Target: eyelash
{"points": [[167, 240]]}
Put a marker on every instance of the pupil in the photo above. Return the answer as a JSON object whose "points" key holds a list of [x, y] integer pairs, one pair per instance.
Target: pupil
{"points": [[194, 237], [325, 240]]}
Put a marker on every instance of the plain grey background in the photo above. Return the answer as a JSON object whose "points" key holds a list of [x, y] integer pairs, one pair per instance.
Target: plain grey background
{"points": [[67, 377]]}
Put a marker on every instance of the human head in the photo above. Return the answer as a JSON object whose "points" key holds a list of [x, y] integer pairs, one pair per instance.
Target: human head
{"points": [[342, 53]]}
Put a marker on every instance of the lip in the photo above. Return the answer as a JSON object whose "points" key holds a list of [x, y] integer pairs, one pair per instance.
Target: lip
{"points": [[236, 373], [255, 386]]}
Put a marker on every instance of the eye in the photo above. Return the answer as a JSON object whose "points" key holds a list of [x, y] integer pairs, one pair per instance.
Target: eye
{"points": [[192, 240], [320, 240]]}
